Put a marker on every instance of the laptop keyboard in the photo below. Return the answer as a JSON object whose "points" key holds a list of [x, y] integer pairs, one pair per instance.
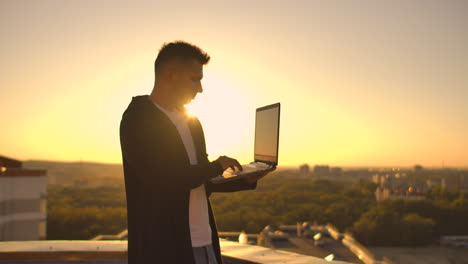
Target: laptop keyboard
{"points": [[236, 172], [247, 168]]}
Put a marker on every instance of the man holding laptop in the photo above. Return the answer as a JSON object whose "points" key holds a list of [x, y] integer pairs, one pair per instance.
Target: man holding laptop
{"points": [[168, 176]]}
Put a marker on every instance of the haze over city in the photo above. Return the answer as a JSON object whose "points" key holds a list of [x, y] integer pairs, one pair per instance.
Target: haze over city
{"points": [[361, 83]]}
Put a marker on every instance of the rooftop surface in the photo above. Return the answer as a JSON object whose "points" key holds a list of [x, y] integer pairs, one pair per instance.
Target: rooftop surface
{"points": [[305, 246], [115, 252]]}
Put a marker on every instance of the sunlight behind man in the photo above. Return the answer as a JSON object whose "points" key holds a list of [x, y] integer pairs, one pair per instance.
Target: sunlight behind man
{"points": [[221, 99]]}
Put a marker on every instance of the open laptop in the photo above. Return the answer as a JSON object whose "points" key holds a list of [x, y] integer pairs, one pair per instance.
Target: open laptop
{"points": [[267, 121]]}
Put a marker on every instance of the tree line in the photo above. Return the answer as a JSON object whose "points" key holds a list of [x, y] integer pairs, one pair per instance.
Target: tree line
{"points": [[78, 213]]}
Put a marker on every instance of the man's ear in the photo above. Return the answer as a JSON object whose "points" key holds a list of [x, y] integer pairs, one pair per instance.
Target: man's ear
{"points": [[174, 73], [164, 74], [171, 75]]}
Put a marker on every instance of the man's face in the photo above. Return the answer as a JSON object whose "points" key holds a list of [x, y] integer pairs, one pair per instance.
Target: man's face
{"points": [[187, 82]]}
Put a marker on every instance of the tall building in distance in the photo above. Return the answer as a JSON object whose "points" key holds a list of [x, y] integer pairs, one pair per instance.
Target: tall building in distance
{"points": [[23, 199], [304, 171], [321, 171]]}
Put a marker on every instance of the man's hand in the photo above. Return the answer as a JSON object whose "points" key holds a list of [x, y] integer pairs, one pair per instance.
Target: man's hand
{"points": [[253, 178], [227, 162]]}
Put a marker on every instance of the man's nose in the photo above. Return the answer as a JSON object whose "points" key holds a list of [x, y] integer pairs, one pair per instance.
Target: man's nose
{"points": [[200, 89]]}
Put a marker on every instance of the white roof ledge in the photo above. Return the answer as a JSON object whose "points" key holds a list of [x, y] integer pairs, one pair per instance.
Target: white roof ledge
{"points": [[118, 249], [257, 254]]}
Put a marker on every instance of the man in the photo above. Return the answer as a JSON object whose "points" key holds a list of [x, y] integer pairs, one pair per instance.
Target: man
{"points": [[167, 172]]}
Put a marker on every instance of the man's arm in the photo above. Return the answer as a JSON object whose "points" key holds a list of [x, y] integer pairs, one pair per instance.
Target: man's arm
{"points": [[145, 150], [231, 186]]}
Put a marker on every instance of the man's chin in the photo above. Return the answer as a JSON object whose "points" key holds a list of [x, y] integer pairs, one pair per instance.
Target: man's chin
{"points": [[189, 101]]}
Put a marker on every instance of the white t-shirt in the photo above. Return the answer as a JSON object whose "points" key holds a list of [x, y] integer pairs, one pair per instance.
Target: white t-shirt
{"points": [[200, 230]]}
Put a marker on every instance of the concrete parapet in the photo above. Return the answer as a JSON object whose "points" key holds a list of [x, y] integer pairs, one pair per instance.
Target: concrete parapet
{"points": [[360, 251], [334, 232]]}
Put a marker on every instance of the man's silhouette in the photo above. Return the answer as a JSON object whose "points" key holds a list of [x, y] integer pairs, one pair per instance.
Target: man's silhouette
{"points": [[166, 167]]}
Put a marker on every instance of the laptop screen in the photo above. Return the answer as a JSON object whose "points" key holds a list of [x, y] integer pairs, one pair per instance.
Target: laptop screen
{"points": [[267, 134]]}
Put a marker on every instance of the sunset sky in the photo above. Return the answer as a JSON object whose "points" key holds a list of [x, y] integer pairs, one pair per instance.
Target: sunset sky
{"points": [[361, 83]]}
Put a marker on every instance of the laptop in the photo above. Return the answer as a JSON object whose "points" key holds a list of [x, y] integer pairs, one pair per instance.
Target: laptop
{"points": [[267, 121]]}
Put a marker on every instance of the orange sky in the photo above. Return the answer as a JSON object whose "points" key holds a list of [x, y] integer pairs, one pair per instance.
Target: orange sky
{"points": [[362, 83]]}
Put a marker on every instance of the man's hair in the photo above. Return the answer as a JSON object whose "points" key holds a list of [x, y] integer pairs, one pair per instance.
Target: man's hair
{"points": [[179, 51]]}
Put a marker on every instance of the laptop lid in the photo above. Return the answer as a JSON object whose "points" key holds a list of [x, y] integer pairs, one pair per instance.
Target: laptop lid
{"points": [[267, 121]]}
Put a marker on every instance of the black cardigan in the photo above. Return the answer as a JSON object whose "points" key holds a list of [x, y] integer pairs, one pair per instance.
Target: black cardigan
{"points": [[158, 180]]}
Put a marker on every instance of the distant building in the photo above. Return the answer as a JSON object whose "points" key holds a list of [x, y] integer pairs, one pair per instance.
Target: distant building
{"points": [[437, 182], [23, 196], [336, 171], [304, 171], [418, 168], [411, 193], [325, 171], [321, 171], [377, 179]]}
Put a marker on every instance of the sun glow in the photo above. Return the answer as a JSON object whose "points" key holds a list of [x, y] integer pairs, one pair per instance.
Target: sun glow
{"points": [[226, 117]]}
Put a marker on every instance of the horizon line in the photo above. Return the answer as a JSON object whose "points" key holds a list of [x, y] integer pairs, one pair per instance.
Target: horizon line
{"points": [[279, 166]]}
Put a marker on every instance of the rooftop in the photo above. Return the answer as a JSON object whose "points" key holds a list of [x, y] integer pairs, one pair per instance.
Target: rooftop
{"points": [[115, 252], [9, 162]]}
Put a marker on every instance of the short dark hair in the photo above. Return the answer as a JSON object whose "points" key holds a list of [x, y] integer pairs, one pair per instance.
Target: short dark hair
{"points": [[179, 50]]}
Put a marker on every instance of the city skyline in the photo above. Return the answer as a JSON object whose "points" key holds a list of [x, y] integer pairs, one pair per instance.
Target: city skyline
{"points": [[361, 83]]}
